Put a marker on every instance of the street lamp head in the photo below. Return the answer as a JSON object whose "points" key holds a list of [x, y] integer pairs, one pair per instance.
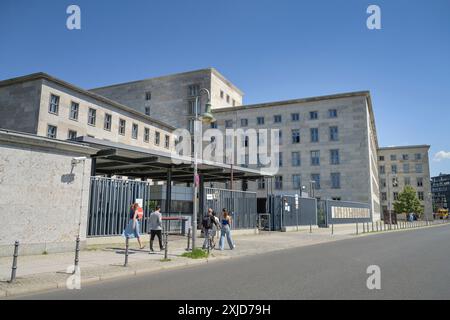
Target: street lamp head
{"points": [[207, 116]]}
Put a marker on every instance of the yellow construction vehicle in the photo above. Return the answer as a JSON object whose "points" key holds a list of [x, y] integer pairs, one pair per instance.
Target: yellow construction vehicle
{"points": [[442, 213]]}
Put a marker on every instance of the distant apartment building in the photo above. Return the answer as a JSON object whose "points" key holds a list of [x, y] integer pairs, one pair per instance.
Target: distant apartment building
{"points": [[440, 189], [171, 98], [404, 166], [46, 106]]}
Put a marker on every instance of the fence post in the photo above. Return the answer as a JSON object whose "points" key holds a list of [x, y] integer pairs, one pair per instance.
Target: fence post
{"points": [[188, 240], [364, 227], [14, 264], [127, 243], [310, 226], [372, 226], [356, 227], [77, 253], [332, 227]]}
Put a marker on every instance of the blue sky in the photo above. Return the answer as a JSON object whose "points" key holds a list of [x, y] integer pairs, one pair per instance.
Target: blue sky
{"points": [[272, 50]]}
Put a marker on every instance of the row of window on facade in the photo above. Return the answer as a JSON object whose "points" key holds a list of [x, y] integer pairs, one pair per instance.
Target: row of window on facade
{"points": [[420, 195], [222, 96], [295, 117], [406, 181], [334, 158], [297, 181], [92, 120], [404, 157], [406, 168]]}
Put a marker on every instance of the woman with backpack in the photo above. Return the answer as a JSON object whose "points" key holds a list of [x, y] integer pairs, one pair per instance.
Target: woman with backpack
{"points": [[225, 231], [133, 226]]}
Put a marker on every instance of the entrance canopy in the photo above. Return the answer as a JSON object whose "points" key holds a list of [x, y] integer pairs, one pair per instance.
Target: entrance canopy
{"points": [[115, 158]]}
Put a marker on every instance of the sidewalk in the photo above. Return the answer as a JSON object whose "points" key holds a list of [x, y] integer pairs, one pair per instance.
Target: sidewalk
{"points": [[101, 262]]}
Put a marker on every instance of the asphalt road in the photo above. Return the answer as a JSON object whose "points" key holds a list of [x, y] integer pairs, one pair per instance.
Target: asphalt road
{"points": [[414, 264]]}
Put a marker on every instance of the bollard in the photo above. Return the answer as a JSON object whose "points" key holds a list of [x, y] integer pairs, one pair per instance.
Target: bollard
{"points": [[357, 228], [188, 240], [14, 264], [332, 228], [166, 242], [127, 246], [77, 253]]}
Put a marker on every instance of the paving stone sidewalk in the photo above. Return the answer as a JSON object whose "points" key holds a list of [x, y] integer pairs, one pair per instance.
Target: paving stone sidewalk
{"points": [[101, 262]]}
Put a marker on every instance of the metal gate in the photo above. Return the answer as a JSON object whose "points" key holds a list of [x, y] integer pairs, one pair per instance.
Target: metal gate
{"points": [[109, 205], [288, 211], [241, 204]]}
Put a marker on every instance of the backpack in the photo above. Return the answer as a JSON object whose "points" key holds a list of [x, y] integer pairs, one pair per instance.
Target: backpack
{"points": [[206, 222]]}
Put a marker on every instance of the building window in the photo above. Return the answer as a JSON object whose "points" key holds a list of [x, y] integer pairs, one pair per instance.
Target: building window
{"points": [[296, 181], [406, 168], [228, 98], [315, 158], [394, 168], [92, 115], [393, 157], [107, 122], [277, 118], [395, 196], [418, 156], [295, 116], [420, 182], [122, 126], [280, 159], [147, 111], [260, 120], [53, 107], [280, 137], [381, 158], [146, 134], [148, 95], [336, 180], [316, 178], [74, 110], [244, 122], [384, 196], [314, 134], [51, 131], [261, 183], [407, 181], [228, 123], [296, 160], [167, 141], [394, 182], [296, 136], [191, 107], [420, 195], [313, 115], [157, 138], [334, 156], [383, 183], [193, 90], [332, 113], [382, 169], [405, 157], [234, 103], [419, 168], [72, 135], [278, 182], [134, 131], [221, 94], [214, 125], [334, 133]]}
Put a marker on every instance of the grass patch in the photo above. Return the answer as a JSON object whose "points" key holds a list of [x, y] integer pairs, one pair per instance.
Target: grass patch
{"points": [[165, 260], [196, 254]]}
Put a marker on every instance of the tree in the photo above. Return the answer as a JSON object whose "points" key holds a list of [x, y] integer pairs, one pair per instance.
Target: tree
{"points": [[407, 202]]}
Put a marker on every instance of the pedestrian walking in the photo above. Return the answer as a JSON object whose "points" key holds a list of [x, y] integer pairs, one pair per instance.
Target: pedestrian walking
{"points": [[155, 224], [225, 231], [215, 230], [209, 223], [132, 229]]}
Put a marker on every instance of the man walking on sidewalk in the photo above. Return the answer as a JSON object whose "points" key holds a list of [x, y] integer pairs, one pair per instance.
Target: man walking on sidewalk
{"points": [[208, 222], [155, 222]]}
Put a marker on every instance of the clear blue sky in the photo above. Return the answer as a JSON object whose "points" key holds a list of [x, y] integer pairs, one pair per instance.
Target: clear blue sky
{"points": [[272, 50]]}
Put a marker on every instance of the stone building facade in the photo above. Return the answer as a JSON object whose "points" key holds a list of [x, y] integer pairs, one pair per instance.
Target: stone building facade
{"points": [[402, 166]]}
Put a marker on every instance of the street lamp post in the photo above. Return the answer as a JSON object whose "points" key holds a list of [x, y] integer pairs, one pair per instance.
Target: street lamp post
{"points": [[206, 117]]}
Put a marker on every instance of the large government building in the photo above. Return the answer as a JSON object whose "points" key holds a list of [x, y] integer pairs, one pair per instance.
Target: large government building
{"points": [[328, 144]]}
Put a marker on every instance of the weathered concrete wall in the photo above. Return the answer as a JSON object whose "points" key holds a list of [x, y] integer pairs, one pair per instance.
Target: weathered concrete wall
{"points": [[19, 106], [40, 197]]}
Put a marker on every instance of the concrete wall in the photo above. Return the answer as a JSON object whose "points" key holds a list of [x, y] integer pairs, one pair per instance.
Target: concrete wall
{"points": [[40, 196], [19, 106]]}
